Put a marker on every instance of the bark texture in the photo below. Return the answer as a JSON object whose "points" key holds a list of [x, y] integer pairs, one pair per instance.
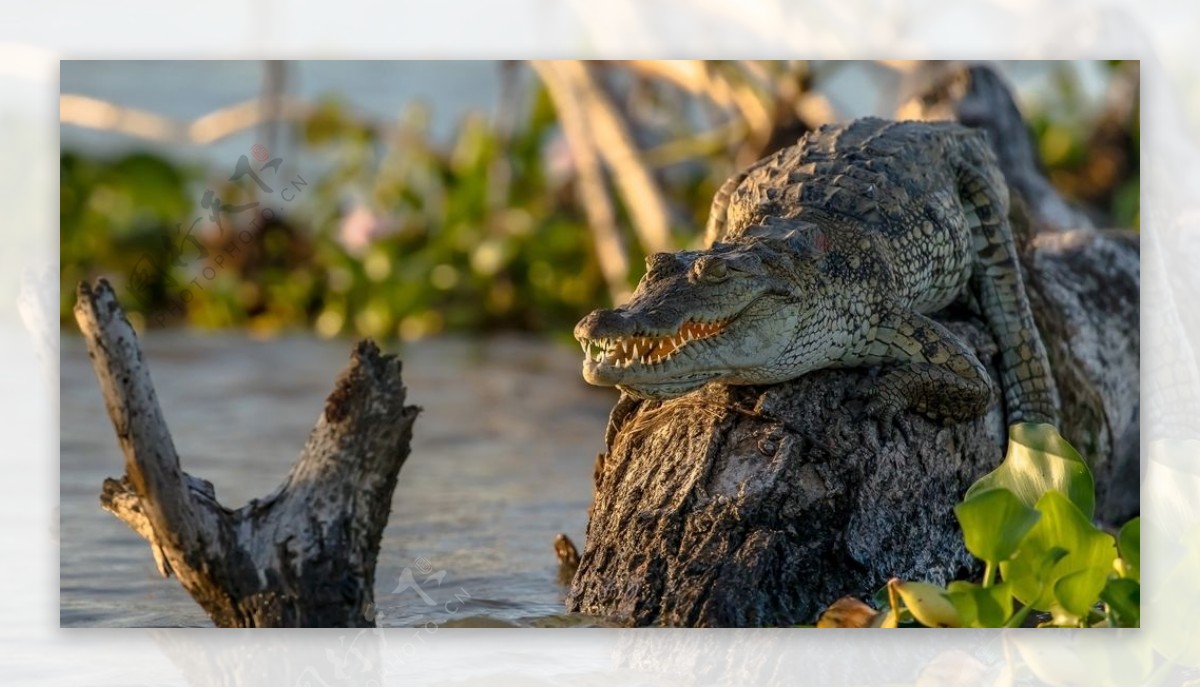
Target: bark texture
{"points": [[750, 506], [304, 555]]}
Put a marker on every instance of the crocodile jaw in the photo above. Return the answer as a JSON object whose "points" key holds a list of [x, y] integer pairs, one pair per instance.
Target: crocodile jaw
{"points": [[724, 315], [643, 363], [751, 347]]}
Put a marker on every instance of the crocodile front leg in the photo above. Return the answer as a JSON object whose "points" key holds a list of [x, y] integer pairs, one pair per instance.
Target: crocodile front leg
{"points": [[1030, 393], [931, 371]]}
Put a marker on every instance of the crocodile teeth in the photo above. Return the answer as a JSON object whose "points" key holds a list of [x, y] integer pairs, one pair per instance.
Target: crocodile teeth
{"points": [[649, 349]]}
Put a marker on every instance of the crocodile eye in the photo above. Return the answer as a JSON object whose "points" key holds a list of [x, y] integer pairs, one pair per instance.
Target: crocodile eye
{"points": [[712, 269]]}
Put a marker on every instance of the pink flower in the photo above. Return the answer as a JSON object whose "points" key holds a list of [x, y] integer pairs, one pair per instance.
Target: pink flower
{"points": [[360, 227]]}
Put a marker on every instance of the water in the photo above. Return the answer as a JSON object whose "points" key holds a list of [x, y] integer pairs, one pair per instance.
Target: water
{"points": [[381, 90], [186, 90], [501, 461]]}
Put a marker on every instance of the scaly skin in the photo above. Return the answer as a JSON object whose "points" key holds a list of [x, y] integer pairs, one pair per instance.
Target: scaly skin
{"points": [[830, 254]]}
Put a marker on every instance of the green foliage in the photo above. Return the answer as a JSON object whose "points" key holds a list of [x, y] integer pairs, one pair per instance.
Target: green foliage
{"points": [[399, 234], [1074, 579], [1040, 460], [1092, 161], [1129, 543], [113, 213], [473, 239], [1124, 599], [979, 606], [1030, 520], [994, 522]]}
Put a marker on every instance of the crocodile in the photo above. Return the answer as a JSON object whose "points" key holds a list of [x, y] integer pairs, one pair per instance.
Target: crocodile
{"points": [[833, 253]]}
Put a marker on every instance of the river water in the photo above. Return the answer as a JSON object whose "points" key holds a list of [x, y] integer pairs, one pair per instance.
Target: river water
{"points": [[501, 461]]}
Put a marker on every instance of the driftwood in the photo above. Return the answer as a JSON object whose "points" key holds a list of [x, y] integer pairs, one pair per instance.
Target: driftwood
{"points": [[303, 556], [748, 506]]}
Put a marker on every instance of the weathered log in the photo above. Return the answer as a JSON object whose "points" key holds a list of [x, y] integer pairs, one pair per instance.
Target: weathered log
{"points": [[738, 506], [304, 555], [749, 506]]}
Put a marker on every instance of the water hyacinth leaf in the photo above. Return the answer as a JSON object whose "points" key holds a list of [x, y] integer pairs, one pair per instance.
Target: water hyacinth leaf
{"points": [[880, 598], [1078, 591], [994, 522], [1124, 599], [1038, 565], [886, 620], [929, 604], [1040, 460], [1129, 544], [964, 602], [981, 607], [1030, 572]]}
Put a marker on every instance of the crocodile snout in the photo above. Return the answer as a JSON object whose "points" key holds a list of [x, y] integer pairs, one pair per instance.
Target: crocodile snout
{"points": [[603, 322]]}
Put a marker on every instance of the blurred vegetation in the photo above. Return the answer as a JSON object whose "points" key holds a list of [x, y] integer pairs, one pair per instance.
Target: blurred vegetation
{"points": [[471, 237], [1093, 161], [403, 236]]}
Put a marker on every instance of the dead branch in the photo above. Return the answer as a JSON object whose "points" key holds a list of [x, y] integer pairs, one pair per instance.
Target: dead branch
{"points": [[303, 556], [616, 147], [591, 189]]}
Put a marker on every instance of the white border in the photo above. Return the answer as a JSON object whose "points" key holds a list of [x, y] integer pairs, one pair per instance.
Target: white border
{"points": [[34, 35]]}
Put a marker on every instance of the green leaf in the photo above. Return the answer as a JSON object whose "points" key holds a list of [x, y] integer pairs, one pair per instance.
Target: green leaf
{"points": [[1129, 544], [882, 601], [1124, 599], [1079, 591], [1040, 460], [929, 604], [994, 522], [981, 607], [1038, 567], [880, 598]]}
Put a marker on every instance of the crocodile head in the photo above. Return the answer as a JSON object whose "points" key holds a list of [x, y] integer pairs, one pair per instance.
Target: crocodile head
{"points": [[729, 314]]}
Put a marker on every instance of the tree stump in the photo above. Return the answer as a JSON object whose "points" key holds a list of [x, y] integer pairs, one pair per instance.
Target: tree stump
{"points": [[304, 555], [759, 506]]}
